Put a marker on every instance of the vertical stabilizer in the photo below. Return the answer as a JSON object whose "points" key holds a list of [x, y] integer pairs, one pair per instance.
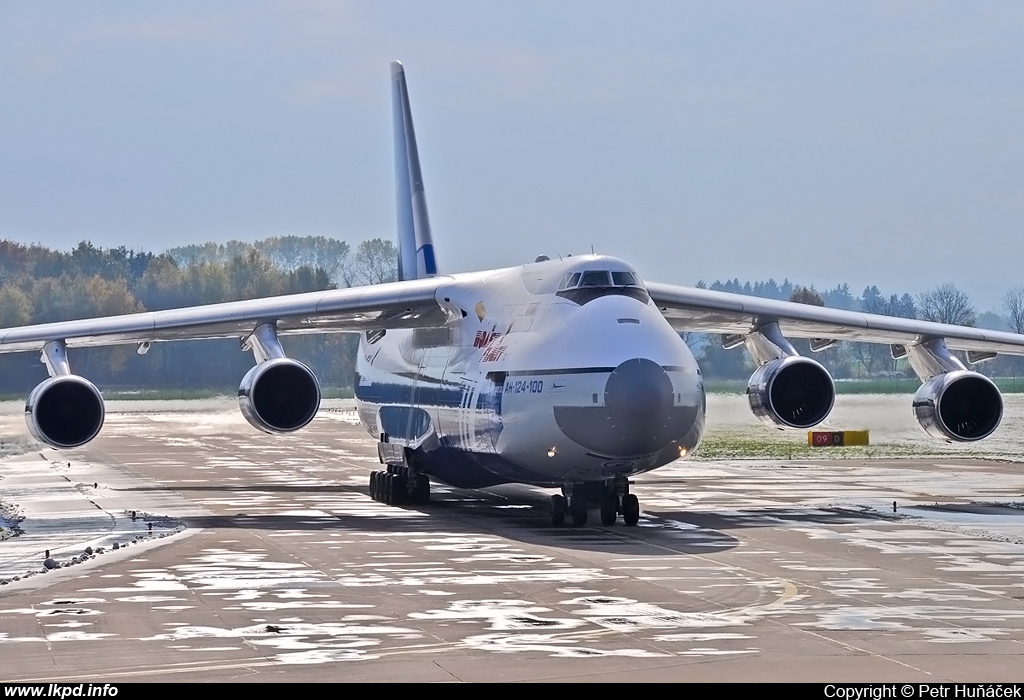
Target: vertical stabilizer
{"points": [[415, 246]]}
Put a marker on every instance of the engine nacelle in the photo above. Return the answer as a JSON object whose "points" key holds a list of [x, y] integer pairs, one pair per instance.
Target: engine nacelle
{"points": [[279, 395], [65, 411], [959, 406], [792, 392]]}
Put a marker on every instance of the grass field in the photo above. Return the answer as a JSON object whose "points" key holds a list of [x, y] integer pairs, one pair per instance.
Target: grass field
{"points": [[778, 445], [732, 432]]}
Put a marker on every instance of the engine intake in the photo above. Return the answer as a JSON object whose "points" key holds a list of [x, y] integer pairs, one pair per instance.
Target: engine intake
{"points": [[279, 395], [959, 406], [792, 392], [65, 411]]}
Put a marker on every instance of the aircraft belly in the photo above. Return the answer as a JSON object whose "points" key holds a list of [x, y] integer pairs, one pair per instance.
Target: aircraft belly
{"points": [[465, 469]]}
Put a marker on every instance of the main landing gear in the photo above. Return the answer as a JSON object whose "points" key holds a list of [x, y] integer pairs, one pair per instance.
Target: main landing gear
{"points": [[399, 486], [614, 498]]}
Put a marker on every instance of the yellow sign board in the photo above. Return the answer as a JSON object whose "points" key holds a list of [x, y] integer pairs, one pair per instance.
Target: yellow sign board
{"points": [[836, 438]]}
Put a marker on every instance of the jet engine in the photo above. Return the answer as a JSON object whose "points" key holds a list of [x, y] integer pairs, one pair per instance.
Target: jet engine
{"points": [[65, 411], [279, 395], [791, 392], [959, 406]]}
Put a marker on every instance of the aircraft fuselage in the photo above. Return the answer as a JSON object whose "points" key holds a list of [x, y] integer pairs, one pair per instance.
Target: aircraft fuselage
{"points": [[555, 372]]}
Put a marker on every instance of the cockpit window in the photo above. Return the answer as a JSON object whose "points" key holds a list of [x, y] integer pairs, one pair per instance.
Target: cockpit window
{"points": [[570, 280], [625, 279], [595, 278]]}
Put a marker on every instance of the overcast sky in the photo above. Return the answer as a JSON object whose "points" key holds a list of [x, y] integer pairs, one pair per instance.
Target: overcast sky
{"points": [[829, 142]]}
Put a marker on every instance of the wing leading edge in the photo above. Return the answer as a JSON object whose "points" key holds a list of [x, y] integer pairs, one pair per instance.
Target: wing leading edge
{"points": [[409, 304], [692, 309]]}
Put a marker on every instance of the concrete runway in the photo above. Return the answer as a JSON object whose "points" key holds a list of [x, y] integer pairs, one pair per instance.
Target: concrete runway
{"points": [[268, 562]]}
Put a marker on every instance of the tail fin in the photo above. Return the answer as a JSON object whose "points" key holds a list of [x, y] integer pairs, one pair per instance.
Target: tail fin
{"points": [[415, 246]]}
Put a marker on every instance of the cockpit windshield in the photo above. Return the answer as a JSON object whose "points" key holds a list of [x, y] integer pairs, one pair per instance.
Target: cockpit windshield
{"points": [[599, 278], [585, 286]]}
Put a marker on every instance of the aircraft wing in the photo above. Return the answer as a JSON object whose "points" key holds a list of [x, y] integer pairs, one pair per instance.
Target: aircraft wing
{"points": [[703, 310], [409, 304]]}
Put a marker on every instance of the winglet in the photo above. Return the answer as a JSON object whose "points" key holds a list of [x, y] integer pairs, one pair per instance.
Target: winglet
{"points": [[415, 246]]}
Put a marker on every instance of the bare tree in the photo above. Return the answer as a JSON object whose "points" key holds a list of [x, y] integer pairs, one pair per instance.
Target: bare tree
{"points": [[375, 261], [695, 341], [1013, 302], [946, 304], [867, 355], [872, 356]]}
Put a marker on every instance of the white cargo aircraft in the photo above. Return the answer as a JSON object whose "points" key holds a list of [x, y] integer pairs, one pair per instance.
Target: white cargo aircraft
{"points": [[568, 374]]}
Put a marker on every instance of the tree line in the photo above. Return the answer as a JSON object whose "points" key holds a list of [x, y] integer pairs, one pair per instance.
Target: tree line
{"points": [[42, 285], [945, 303]]}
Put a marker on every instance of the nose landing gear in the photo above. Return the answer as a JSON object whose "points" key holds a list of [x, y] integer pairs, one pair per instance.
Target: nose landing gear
{"points": [[609, 508], [558, 506], [630, 509], [578, 509], [613, 496], [612, 504], [576, 506]]}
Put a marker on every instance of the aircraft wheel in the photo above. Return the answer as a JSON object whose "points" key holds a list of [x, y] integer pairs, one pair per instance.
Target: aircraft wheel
{"points": [[421, 496], [400, 490], [578, 510], [609, 508], [373, 484], [390, 489], [630, 509], [557, 510]]}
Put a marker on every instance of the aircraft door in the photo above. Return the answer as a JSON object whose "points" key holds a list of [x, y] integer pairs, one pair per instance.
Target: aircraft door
{"points": [[487, 416], [467, 433]]}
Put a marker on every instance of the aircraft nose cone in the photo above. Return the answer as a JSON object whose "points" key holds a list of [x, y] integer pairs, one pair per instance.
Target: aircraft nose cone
{"points": [[639, 416], [638, 387]]}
